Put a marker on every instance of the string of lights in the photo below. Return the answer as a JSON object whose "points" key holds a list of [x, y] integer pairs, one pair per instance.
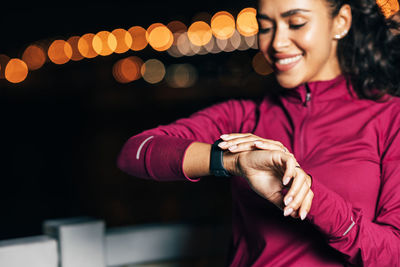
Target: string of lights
{"points": [[223, 34]]}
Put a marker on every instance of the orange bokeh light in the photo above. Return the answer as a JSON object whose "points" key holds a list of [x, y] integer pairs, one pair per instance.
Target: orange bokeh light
{"points": [[199, 33], [177, 26], [260, 64], [85, 46], [34, 57], [4, 59], [124, 40], [159, 37], [128, 69], [139, 40], [246, 22], [59, 52], [104, 43], [223, 25], [16, 70], [73, 42]]}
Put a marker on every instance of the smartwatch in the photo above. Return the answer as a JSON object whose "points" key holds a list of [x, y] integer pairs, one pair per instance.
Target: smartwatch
{"points": [[216, 161]]}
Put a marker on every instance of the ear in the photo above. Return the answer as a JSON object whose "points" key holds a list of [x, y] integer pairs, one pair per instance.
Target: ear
{"points": [[342, 22]]}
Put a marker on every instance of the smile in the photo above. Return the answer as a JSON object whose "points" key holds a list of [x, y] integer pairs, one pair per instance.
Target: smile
{"points": [[287, 63]]}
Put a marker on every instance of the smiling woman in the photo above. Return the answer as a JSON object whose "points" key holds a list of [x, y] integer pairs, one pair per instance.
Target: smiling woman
{"points": [[294, 39], [313, 165]]}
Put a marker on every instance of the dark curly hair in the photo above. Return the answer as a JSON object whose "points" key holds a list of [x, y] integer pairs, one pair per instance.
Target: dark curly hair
{"points": [[369, 55]]}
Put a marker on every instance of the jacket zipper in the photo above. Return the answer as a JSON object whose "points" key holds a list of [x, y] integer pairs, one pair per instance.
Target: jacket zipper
{"points": [[303, 124]]}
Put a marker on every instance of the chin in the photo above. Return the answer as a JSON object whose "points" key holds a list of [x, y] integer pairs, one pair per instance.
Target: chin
{"points": [[288, 81]]}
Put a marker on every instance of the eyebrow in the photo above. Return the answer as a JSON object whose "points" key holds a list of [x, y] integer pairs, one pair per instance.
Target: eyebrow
{"points": [[284, 14]]}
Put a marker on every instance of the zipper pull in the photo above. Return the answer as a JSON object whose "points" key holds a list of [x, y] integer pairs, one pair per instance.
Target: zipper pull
{"points": [[308, 94]]}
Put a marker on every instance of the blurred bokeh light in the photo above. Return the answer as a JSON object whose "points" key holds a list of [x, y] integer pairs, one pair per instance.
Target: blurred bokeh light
{"points": [[260, 64], [246, 22], [185, 47], [199, 33], [85, 46], [34, 56], [16, 70], [181, 75], [59, 52], [73, 42], [153, 71], [124, 40], [128, 69], [223, 25], [104, 43], [159, 37], [139, 40], [176, 26]]}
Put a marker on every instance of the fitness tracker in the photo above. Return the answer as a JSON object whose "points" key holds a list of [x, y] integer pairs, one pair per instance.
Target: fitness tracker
{"points": [[216, 161]]}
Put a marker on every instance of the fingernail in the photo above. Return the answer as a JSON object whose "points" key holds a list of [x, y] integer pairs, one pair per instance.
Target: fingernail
{"points": [[223, 136], [258, 143], [232, 147], [286, 180], [222, 144], [303, 215], [287, 212], [288, 200]]}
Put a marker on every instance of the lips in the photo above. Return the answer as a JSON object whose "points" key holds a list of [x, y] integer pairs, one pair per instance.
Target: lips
{"points": [[285, 62]]}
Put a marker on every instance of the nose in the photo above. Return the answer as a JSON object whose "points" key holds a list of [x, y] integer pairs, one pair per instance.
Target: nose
{"points": [[280, 39]]}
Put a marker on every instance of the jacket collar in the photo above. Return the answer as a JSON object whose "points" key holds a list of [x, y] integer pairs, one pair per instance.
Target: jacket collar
{"points": [[320, 91]]}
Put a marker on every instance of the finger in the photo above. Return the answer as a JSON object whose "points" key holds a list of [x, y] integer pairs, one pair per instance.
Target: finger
{"points": [[306, 205], [295, 214], [227, 137], [295, 188], [251, 145], [290, 167], [236, 141], [269, 145], [299, 197]]}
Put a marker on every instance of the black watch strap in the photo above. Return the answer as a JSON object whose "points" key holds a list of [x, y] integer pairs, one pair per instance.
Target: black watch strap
{"points": [[216, 161]]}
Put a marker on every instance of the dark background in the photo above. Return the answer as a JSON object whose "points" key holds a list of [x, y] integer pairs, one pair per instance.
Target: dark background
{"points": [[63, 127]]}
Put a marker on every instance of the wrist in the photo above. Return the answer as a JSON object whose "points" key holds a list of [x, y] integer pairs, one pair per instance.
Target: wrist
{"points": [[230, 162]]}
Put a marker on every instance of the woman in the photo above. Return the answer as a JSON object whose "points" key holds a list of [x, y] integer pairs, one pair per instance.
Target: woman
{"points": [[331, 117]]}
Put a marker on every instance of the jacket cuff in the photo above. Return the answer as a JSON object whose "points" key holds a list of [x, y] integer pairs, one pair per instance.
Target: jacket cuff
{"points": [[331, 213], [164, 158]]}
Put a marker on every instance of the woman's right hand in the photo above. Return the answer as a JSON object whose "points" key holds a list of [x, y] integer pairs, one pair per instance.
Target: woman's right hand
{"points": [[269, 171]]}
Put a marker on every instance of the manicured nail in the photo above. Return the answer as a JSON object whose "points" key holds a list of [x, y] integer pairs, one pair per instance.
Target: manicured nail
{"points": [[258, 143], [287, 212], [222, 144], [288, 200], [303, 215], [286, 180], [232, 147], [223, 136]]}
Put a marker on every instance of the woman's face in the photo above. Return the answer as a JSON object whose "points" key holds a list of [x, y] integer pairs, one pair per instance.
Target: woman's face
{"points": [[297, 38]]}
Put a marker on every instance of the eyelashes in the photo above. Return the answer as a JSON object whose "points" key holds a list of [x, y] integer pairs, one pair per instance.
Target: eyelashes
{"points": [[292, 26], [297, 26], [264, 30]]}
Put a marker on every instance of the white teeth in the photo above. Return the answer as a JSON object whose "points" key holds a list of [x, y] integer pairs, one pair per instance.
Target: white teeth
{"points": [[289, 60]]}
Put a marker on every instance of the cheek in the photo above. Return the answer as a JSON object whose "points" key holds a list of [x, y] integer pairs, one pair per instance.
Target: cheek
{"points": [[264, 44], [315, 42]]}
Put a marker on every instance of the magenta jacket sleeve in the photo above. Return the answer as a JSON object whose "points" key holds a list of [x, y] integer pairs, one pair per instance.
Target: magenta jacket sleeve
{"points": [[158, 153], [364, 242]]}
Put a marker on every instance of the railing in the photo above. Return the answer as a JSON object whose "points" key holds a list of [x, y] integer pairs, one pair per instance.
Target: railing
{"points": [[84, 242]]}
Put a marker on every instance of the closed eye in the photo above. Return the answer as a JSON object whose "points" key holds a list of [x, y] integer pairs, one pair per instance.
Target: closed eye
{"points": [[264, 30], [297, 26]]}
